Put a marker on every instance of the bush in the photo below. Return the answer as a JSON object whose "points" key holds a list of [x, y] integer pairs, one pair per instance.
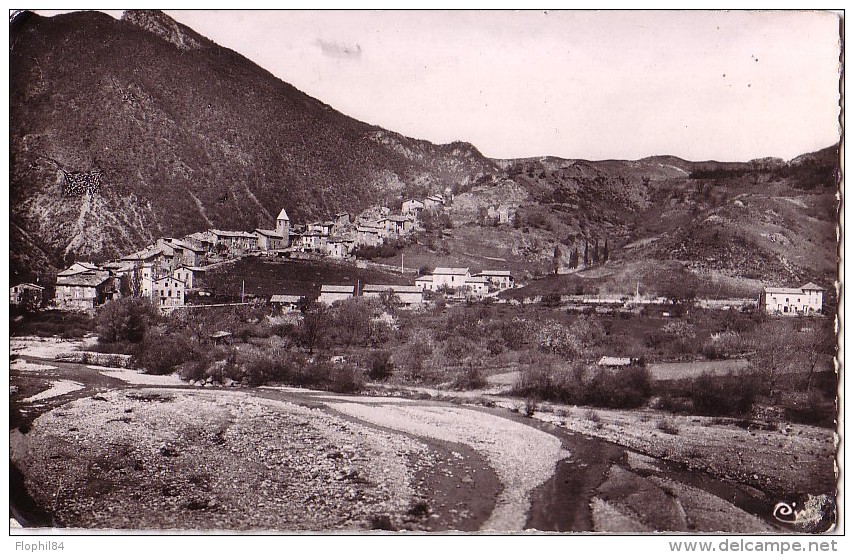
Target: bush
{"points": [[626, 388], [160, 353], [667, 426], [381, 366], [724, 395], [470, 378], [125, 319], [345, 378]]}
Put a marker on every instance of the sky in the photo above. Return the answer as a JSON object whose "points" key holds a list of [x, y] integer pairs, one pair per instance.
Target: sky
{"points": [[576, 84]]}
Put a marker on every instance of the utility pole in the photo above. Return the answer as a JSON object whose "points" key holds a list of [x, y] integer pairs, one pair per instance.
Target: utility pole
{"points": [[401, 263]]}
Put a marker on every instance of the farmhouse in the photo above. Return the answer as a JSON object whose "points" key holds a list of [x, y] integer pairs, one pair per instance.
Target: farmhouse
{"points": [[789, 301], [412, 206], [334, 293], [286, 303], [26, 292], [408, 295], [397, 225], [323, 228], [449, 277], [477, 286], [499, 279], [369, 235], [202, 239], [83, 286], [235, 240], [168, 292], [138, 277], [270, 240], [339, 248], [434, 202], [188, 274]]}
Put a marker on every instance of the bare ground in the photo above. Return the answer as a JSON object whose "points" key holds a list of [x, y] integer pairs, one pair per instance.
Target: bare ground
{"points": [[121, 455]]}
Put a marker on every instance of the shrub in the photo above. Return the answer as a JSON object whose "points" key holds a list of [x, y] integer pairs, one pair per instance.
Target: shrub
{"points": [[667, 426], [470, 378], [627, 388], [381, 366], [723, 395], [530, 407], [345, 378], [125, 319], [160, 353]]}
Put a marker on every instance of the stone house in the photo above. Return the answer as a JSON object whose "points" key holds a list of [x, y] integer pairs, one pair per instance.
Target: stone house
{"points": [[498, 279], [334, 293], [168, 292], [286, 303], [83, 286], [24, 292], [455, 278], [189, 275], [412, 206], [434, 202], [788, 301], [410, 296], [477, 286], [270, 240]]}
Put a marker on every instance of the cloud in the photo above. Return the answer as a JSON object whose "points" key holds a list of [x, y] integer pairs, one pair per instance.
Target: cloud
{"points": [[339, 50]]}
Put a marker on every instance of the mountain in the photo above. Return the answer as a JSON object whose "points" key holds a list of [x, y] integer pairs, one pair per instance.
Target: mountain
{"points": [[184, 135]]}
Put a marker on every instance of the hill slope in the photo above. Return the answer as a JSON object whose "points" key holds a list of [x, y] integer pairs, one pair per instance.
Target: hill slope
{"points": [[186, 135]]}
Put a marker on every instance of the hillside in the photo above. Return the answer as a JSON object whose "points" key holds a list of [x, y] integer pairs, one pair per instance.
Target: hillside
{"points": [[187, 135]]}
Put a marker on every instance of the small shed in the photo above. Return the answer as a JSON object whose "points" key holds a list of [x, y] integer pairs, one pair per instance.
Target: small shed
{"points": [[220, 337]]}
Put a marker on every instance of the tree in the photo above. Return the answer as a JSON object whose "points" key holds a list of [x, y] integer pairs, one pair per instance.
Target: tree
{"points": [[605, 252], [314, 325], [352, 320], [556, 259], [554, 337], [586, 253], [126, 319], [595, 251], [573, 258]]}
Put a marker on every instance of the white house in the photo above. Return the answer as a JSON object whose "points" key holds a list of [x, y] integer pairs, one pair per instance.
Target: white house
{"points": [[333, 293], [168, 292], [792, 301], [434, 202], [409, 295], [412, 206], [286, 303], [477, 286], [451, 277], [18, 293], [82, 286], [188, 274], [499, 279]]}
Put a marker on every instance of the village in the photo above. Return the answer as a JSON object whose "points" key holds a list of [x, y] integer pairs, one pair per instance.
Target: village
{"points": [[171, 268]]}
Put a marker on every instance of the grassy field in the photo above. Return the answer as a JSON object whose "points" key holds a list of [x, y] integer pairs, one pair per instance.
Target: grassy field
{"points": [[264, 278]]}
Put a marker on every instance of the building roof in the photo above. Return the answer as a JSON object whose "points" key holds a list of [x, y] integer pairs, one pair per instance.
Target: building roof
{"points": [[337, 289], [395, 288], [164, 278], [437, 198], [285, 299], [28, 286], [222, 233], [283, 215], [451, 271], [399, 218], [424, 278], [477, 279], [784, 290], [494, 273], [93, 279], [411, 200], [811, 287], [220, 334], [185, 245], [269, 233], [368, 229], [191, 268], [78, 268], [614, 361]]}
